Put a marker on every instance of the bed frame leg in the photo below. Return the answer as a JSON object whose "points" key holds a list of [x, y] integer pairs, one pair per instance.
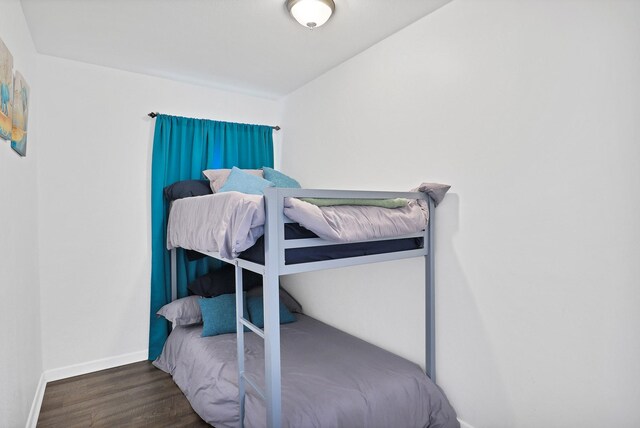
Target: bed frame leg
{"points": [[430, 298], [270, 280], [174, 274], [240, 341]]}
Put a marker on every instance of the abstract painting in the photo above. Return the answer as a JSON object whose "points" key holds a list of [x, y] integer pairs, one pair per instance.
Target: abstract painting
{"points": [[20, 114], [6, 91]]}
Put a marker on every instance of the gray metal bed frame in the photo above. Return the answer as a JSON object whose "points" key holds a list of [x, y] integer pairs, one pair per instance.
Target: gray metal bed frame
{"points": [[274, 267]]}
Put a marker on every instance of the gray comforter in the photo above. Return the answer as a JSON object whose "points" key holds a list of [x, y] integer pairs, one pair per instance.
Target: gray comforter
{"points": [[348, 223], [231, 222], [329, 379], [228, 223]]}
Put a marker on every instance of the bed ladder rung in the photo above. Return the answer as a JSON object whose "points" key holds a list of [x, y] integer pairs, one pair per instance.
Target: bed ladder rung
{"points": [[257, 330], [253, 385]]}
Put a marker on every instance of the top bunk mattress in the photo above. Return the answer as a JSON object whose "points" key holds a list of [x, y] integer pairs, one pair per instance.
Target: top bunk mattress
{"points": [[232, 222], [329, 379], [293, 256]]}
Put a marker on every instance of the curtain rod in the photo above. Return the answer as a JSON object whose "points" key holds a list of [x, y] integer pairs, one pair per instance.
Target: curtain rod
{"points": [[153, 114]]}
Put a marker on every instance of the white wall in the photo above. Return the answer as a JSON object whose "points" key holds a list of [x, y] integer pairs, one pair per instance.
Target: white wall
{"points": [[20, 348], [94, 184], [530, 110]]}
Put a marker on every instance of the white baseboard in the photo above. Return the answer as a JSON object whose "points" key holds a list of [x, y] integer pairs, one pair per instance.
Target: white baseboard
{"points": [[94, 366], [464, 424], [76, 370], [34, 412]]}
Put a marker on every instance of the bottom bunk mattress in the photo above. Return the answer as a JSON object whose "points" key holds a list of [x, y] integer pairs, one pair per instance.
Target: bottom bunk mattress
{"points": [[329, 379]]}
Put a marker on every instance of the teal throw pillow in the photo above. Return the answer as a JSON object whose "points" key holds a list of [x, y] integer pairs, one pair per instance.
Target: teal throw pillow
{"points": [[256, 312], [279, 179], [240, 181], [219, 314]]}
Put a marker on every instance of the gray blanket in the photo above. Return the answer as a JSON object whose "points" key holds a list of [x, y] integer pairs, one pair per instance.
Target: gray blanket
{"points": [[231, 222], [349, 223], [329, 379], [228, 223]]}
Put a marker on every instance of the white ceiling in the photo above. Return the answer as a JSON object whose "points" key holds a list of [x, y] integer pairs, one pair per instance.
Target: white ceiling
{"points": [[250, 46]]}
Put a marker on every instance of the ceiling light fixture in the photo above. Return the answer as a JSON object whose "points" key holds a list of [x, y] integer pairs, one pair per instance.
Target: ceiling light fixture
{"points": [[311, 13]]}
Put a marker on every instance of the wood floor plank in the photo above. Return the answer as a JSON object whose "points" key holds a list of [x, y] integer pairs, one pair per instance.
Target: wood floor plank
{"points": [[135, 395]]}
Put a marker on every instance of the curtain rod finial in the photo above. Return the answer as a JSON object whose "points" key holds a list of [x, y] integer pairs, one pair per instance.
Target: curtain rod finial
{"points": [[153, 114]]}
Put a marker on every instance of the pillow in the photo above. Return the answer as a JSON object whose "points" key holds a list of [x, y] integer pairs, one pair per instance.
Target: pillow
{"points": [[183, 311], [217, 177], [219, 314], [256, 311], [186, 189], [279, 179], [240, 181], [436, 191], [289, 301], [223, 281]]}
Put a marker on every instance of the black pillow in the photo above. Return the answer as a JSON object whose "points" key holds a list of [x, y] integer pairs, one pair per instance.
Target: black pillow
{"points": [[187, 189], [223, 281]]}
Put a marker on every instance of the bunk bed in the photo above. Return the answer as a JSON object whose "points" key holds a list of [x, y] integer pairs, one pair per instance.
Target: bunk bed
{"points": [[284, 250]]}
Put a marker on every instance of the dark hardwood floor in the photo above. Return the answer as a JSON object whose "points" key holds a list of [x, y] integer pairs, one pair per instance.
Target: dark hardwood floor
{"points": [[135, 395]]}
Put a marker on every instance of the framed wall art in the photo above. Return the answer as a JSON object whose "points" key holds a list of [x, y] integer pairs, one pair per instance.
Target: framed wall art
{"points": [[20, 114], [6, 92]]}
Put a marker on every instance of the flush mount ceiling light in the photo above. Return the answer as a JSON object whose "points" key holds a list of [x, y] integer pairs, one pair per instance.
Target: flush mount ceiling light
{"points": [[311, 13]]}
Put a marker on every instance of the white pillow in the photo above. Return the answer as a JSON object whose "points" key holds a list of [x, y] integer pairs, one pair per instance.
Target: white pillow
{"points": [[217, 177], [183, 311]]}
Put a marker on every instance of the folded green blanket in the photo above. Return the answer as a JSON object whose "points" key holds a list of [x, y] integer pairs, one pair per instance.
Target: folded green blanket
{"points": [[384, 203]]}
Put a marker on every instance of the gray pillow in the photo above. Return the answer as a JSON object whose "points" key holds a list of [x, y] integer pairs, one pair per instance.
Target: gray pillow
{"points": [[287, 299], [183, 311], [435, 190]]}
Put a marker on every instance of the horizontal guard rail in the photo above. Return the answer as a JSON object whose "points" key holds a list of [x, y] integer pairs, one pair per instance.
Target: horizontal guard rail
{"points": [[319, 242], [344, 194], [350, 261]]}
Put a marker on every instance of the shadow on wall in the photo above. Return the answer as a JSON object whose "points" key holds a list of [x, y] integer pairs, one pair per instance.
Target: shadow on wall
{"points": [[465, 357], [383, 303]]}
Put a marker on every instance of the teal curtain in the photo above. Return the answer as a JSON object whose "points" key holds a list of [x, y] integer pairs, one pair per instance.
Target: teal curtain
{"points": [[182, 149]]}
